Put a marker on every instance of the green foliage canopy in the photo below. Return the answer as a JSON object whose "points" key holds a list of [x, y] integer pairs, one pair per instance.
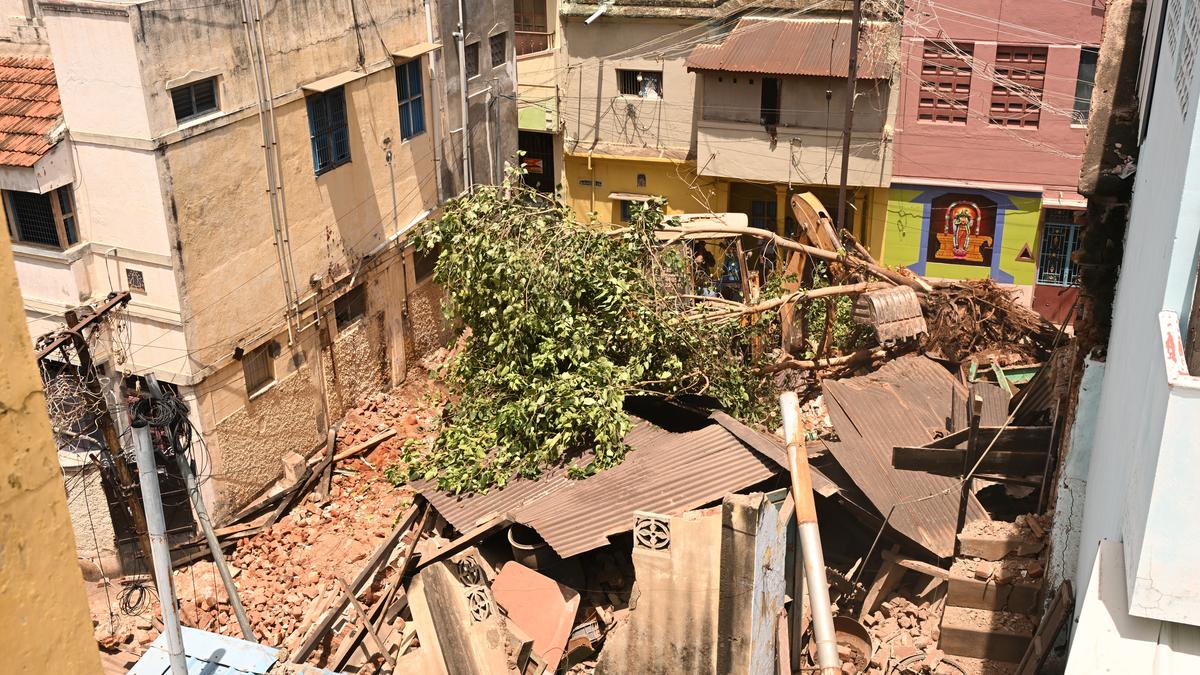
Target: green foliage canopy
{"points": [[562, 321]]}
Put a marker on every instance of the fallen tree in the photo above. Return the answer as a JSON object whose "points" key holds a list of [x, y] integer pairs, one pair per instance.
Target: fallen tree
{"points": [[562, 322]]}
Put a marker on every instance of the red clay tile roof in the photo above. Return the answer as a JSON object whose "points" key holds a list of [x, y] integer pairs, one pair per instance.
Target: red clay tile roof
{"points": [[29, 109]]}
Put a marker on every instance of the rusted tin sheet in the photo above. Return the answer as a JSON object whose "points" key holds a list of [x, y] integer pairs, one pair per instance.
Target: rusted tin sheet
{"points": [[906, 402], [810, 47], [664, 472]]}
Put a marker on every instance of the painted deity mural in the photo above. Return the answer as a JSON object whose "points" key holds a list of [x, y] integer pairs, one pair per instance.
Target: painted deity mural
{"points": [[962, 229]]}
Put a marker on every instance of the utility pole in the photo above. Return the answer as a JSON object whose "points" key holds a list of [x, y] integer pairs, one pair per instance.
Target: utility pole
{"points": [[851, 90], [96, 401]]}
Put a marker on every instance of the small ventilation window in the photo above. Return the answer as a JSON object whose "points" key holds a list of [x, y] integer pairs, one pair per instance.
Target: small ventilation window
{"points": [[195, 99]]}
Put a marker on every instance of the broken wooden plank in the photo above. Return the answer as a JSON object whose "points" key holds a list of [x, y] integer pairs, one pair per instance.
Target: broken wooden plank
{"points": [[368, 571], [1061, 609], [364, 446], [886, 580], [325, 484], [1011, 438], [468, 539], [949, 461], [365, 620], [917, 565]]}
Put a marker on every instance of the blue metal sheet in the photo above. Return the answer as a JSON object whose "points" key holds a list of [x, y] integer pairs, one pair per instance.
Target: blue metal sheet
{"points": [[209, 654]]}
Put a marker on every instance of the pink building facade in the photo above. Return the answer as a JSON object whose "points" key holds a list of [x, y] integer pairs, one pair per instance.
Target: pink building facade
{"points": [[989, 134]]}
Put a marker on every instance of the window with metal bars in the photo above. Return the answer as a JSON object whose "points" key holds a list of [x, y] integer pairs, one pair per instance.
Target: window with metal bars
{"points": [[195, 99], [412, 100], [328, 129], [1060, 239], [472, 53], [762, 215], [499, 45], [42, 219], [945, 82], [1085, 83], [643, 83], [258, 368], [1017, 91]]}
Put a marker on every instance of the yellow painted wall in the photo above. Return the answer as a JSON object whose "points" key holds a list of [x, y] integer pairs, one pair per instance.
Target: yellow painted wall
{"points": [[670, 179], [43, 609]]}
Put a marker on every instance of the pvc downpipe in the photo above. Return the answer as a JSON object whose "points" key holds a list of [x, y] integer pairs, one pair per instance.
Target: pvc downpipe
{"points": [[156, 528], [214, 547], [828, 661]]}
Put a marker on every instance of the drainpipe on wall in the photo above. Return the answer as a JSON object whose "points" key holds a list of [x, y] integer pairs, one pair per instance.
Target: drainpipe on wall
{"points": [[437, 105], [252, 22], [487, 130], [592, 169], [461, 36]]}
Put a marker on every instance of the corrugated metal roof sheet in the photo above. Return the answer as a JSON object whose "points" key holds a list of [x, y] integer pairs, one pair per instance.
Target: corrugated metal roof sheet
{"points": [[903, 403], [812, 47], [29, 109], [664, 472]]}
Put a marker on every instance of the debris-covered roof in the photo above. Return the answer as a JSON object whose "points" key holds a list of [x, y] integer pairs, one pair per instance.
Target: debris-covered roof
{"points": [[810, 47], [29, 109], [905, 402], [664, 472]]}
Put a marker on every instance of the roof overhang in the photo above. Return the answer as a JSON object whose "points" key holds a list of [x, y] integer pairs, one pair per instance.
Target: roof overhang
{"points": [[332, 82], [415, 50]]}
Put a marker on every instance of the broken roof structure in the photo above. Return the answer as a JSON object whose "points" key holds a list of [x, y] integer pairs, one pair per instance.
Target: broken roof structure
{"points": [[908, 401], [664, 472]]}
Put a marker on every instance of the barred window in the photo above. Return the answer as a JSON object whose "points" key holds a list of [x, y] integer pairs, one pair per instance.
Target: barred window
{"points": [[412, 100], [258, 368], [945, 82], [499, 44], [350, 307], [328, 129], [1017, 92], [643, 83], [472, 54], [1060, 239], [43, 219]]}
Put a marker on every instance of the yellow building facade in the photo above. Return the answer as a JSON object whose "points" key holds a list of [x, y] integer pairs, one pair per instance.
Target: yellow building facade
{"points": [[43, 608]]}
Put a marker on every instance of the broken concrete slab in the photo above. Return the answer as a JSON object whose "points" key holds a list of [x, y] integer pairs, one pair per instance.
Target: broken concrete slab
{"points": [[539, 605], [460, 622]]}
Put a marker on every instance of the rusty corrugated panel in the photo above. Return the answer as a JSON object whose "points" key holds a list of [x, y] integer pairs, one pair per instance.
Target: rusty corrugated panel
{"points": [[905, 402], [811, 47], [664, 472], [29, 109]]}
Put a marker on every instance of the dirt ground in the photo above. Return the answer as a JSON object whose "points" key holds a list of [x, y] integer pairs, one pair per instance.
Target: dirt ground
{"points": [[285, 574]]}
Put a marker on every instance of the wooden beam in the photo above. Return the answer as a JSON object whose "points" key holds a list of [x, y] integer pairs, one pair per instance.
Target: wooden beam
{"points": [[917, 565], [949, 461], [1011, 438], [889, 577]]}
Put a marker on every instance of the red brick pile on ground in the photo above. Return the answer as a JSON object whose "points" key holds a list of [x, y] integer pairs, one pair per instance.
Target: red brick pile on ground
{"points": [[902, 628], [285, 574]]}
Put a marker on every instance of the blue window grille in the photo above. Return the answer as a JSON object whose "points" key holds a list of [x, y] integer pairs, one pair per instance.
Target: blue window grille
{"points": [[412, 100], [1060, 239], [328, 130]]}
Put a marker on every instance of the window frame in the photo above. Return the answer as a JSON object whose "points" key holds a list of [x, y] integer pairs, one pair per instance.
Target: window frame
{"points": [[63, 213], [1029, 73], [190, 87], [767, 219], [350, 307], [250, 360], [329, 101], [492, 49], [472, 56], [410, 94], [628, 75], [1063, 222], [946, 81], [1081, 112]]}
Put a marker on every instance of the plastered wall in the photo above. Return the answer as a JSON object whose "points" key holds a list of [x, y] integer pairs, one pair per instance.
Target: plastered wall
{"points": [[42, 605]]}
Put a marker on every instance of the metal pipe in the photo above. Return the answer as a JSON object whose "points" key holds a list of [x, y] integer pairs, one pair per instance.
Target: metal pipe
{"points": [[156, 528], [461, 35], [435, 96], [810, 537], [214, 547]]}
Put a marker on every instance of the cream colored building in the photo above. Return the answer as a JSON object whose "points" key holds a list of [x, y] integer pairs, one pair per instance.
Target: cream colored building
{"points": [[253, 186]]}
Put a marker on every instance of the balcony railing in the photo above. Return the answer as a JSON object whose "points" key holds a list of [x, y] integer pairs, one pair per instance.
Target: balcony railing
{"points": [[529, 42]]}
